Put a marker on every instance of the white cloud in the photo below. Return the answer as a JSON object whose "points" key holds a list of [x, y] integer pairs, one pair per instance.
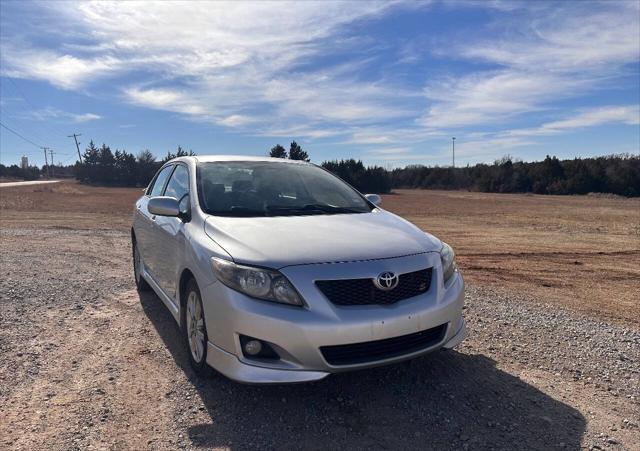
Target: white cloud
{"points": [[235, 120], [490, 145], [491, 97], [165, 99], [393, 151], [369, 137], [86, 117], [253, 68], [554, 53], [623, 114], [47, 114], [560, 39], [236, 63], [61, 70], [627, 114]]}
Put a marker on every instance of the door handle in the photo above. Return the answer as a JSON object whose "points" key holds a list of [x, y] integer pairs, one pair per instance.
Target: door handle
{"points": [[153, 218]]}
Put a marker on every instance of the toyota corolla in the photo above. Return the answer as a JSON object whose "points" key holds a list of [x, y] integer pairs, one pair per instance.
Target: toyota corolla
{"points": [[277, 271]]}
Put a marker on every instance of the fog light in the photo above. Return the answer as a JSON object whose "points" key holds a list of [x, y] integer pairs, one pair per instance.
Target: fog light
{"points": [[257, 349], [253, 347]]}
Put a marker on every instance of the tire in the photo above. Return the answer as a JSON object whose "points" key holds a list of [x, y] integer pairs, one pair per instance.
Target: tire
{"points": [[141, 284], [194, 330]]}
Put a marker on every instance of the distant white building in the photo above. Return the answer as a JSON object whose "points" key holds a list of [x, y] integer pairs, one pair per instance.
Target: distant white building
{"points": [[24, 164]]}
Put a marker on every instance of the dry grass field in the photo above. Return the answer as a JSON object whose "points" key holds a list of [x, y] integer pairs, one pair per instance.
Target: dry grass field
{"points": [[551, 361], [578, 251]]}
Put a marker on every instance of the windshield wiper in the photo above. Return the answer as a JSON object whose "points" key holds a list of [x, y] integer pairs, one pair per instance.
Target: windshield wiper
{"points": [[244, 211], [331, 208], [311, 209]]}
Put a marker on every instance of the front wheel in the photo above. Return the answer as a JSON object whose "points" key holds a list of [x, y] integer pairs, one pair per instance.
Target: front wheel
{"points": [[141, 284], [194, 329]]}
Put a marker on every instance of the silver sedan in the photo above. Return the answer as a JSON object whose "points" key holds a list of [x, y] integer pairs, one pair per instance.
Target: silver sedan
{"points": [[277, 271]]}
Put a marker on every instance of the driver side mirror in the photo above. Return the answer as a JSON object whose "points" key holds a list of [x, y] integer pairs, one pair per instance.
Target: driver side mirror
{"points": [[164, 206], [374, 199]]}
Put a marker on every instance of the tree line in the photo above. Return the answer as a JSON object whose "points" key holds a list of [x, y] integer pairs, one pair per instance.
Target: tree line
{"points": [[372, 179], [295, 152], [16, 172], [617, 174], [102, 166]]}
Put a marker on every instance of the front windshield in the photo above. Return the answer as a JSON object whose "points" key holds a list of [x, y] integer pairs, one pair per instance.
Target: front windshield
{"points": [[264, 188]]}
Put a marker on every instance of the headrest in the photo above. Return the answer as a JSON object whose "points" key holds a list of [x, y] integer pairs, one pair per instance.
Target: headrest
{"points": [[213, 189], [242, 185]]}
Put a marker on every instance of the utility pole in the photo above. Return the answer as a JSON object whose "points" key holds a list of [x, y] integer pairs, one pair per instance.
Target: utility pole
{"points": [[453, 143], [75, 137], [45, 160], [53, 169]]}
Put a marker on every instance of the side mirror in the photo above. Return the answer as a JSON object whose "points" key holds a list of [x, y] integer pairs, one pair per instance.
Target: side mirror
{"points": [[374, 199], [164, 206]]}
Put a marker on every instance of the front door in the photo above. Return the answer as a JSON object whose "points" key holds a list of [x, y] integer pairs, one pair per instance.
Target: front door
{"points": [[145, 222], [169, 233]]}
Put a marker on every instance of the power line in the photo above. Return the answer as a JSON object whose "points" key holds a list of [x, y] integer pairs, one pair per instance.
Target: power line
{"points": [[19, 135], [33, 133], [35, 108]]}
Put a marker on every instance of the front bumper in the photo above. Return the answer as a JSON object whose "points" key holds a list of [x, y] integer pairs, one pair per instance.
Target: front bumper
{"points": [[297, 334], [233, 368]]}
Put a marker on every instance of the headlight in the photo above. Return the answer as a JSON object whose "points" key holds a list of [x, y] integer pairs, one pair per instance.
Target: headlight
{"points": [[448, 258], [256, 282]]}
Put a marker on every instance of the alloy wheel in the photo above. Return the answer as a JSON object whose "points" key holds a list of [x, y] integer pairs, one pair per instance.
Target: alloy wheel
{"points": [[195, 327]]}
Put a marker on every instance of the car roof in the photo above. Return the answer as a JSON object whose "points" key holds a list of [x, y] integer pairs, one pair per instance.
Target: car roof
{"points": [[214, 158]]}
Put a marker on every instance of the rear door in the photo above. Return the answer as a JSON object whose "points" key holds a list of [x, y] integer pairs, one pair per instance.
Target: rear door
{"points": [[144, 227], [169, 235]]}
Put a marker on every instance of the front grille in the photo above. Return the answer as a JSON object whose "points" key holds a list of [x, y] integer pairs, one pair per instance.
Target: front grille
{"points": [[371, 351], [363, 291]]}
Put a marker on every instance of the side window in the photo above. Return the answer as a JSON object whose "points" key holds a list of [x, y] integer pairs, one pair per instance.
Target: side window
{"points": [[178, 184], [161, 179]]}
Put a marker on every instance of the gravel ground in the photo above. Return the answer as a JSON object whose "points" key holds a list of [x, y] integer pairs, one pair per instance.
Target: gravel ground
{"points": [[89, 363]]}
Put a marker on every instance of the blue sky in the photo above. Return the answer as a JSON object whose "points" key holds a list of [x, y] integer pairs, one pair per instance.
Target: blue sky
{"points": [[386, 82]]}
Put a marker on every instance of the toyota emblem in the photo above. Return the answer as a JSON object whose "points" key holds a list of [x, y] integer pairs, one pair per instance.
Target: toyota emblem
{"points": [[386, 281]]}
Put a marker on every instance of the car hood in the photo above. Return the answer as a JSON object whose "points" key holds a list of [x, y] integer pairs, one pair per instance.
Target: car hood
{"points": [[276, 242]]}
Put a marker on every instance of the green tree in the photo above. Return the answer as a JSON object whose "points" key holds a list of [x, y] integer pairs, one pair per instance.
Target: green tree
{"points": [[372, 179], [106, 165], [296, 152], [278, 151], [125, 168], [146, 167], [179, 153], [90, 169]]}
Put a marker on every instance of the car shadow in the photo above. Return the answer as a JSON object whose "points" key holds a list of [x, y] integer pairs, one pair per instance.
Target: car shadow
{"points": [[446, 400]]}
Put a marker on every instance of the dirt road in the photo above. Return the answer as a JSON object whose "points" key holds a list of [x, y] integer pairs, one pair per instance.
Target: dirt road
{"points": [[87, 362], [31, 183]]}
